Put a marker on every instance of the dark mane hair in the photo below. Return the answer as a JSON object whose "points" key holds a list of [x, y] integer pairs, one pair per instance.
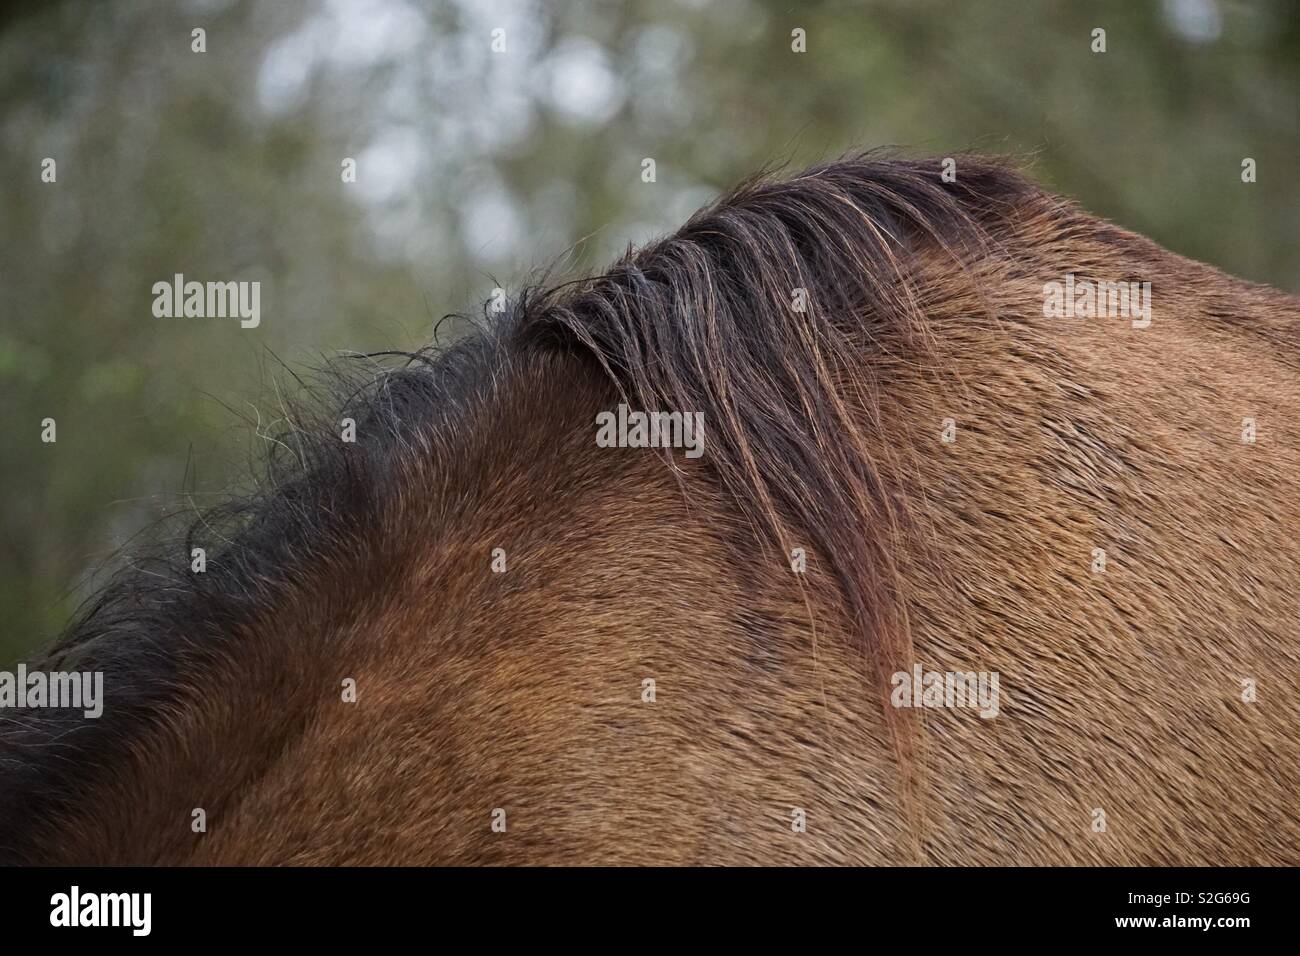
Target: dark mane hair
{"points": [[758, 313]]}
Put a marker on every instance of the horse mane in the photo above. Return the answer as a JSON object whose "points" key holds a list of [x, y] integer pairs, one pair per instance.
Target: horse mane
{"points": [[777, 312]]}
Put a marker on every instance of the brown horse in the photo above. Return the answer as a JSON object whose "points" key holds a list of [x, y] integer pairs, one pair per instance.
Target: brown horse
{"points": [[990, 556]]}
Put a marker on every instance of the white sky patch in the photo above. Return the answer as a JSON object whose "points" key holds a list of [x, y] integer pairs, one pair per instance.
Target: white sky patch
{"points": [[1199, 21], [357, 34], [491, 221], [288, 67], [367, 32], [388, 167], [490, 97], [519, 18], [584, 88]]}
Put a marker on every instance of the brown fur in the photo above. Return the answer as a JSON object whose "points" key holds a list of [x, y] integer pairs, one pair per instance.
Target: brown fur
{"points": [[1120, 691]]}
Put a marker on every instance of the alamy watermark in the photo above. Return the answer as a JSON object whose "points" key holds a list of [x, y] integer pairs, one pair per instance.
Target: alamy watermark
{"points": [[977, 690], [76, 908], [208, 300], [1073, 298], [629, 429], [74, 690]]}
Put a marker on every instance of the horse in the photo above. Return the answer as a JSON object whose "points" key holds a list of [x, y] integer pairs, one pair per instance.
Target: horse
{"points": [[976, 562]]}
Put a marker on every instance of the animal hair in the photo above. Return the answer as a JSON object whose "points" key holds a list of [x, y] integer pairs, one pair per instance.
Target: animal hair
{"points": [[787, 313]]}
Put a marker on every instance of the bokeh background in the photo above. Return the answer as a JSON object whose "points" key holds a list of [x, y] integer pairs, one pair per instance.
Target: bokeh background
{"points": [[476, 168]]}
